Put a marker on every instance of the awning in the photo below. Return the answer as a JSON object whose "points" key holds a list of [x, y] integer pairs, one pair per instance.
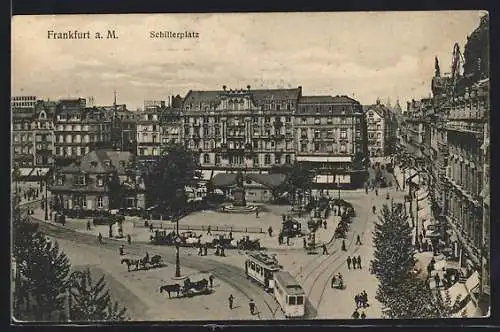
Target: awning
{"points": [[457, 291], [206, 174], [472, 282], [321, 179], [40, 171], [326, 159], [25, 171]]}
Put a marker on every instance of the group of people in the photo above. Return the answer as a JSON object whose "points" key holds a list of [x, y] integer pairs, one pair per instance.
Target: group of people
{"points": [[361, 300], [251, 304], [354, 261]]}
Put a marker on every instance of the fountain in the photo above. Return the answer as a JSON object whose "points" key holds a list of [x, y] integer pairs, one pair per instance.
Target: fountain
{"points": [[240, 204]]}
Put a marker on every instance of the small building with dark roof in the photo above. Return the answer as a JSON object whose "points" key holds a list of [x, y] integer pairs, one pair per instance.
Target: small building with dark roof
{"points": [[101, 180]]}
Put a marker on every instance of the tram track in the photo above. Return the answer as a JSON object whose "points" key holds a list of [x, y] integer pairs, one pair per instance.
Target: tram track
{"points": [[325, 265], [229, 274]]}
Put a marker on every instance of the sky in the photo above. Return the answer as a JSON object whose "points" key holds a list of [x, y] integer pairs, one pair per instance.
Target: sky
{"points": [[365, 55]]}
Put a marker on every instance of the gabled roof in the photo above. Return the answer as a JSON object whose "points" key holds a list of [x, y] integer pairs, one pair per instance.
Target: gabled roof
{"points": [[316, 99], [224, 180], [95, 162], [269, 180]]}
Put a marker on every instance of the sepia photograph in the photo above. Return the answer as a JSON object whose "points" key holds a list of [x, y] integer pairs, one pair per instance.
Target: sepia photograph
{"points": [[250, 167]]}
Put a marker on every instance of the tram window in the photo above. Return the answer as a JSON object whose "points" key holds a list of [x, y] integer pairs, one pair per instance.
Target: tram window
{"points": [[300, 300], [291, 300], [252, 266], [257, 268]]}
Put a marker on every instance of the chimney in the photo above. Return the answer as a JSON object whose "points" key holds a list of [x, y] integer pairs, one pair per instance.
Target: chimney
{"points": [[162, 103], [300, 90]]}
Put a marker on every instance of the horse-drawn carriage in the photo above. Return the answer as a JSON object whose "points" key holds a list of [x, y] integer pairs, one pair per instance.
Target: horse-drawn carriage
{"points": [[341, 230], [188, 288], [246, 244], [163, 237], [291, 228], [142, 263]]}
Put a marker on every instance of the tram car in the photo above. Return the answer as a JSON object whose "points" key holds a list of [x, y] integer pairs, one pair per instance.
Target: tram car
{"points": [[260, 268], [289, 295]]}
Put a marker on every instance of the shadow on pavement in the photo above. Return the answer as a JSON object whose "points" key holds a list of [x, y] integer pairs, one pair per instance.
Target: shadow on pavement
{"points": [[310, 310]]}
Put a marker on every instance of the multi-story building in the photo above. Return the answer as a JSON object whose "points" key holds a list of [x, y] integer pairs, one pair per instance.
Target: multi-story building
{"points": [[101, 180], [22, 137], [330, 138], [149, 134], [379, 125], [240, 129], [171, 120], [23, 102], [79, 130], [43, 131]]}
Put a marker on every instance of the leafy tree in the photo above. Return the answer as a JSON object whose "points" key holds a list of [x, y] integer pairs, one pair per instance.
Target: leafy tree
{"points": [[393, 257], [402, 294], [45, 272], [299, 179], [166, 178], [91, 301]]}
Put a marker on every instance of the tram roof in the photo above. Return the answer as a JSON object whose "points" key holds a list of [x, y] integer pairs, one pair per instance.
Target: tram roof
{"points": [[270, 262], [289, 283]]}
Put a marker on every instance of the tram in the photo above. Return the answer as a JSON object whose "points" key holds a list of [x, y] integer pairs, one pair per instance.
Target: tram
{"points": [[289, 295], [261, 268]]}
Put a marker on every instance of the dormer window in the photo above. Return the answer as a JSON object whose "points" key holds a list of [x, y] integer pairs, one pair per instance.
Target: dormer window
{"points": [[122, 163], [100, 181], [107, 162], [93, 164]]}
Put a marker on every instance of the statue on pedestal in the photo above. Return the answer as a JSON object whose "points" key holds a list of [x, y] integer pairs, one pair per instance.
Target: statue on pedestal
{"points": [[239, 191]]}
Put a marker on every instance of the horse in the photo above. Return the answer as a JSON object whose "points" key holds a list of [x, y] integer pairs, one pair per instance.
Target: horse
{"points": [[155, 260], [144, 262], [131, 262], [171, 288]]}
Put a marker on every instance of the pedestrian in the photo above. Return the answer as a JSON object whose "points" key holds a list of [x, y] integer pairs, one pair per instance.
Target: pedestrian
{"points": [[200, 250], [325, 250], [99, 237], [88, 225], [256, 213], [356, 300], [376, 192], [363, 315], [353, 262], [231, 235], [287, 240], [151, 227], [343, 246], [358, 240], [222, 251], [364, 299], [205, 249], [355, 314], [231, 299], [348, 262], [251, 305], [437, 280], [305, 242], [110, 232], [283, 217], [129, 239], [324, 224], [270, 231], [211, 279], [421, 237], [122, 250], [209, 230], [359, 262]]}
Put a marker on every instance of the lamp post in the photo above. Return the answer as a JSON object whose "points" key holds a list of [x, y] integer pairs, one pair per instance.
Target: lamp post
{"points": [[179, 206], [46, 200]]}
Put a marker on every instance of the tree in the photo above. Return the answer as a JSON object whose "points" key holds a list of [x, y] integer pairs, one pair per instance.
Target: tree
{"points": [[402, 294], [165, 178], [299, 179], [91, 301], [393, 257], [44, 271]]}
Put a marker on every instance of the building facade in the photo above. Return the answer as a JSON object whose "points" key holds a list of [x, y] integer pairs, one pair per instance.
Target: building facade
{"points": [[99, 181], [149, 133], [79, 130], [329, 137], [240, 129], [43, 131]]}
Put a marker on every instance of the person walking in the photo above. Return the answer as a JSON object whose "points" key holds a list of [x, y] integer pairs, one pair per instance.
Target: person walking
{"points": [[251, 305], [348, 262], [324, 224], [211, 280], [230, 300], [287, 240], [129, 239], [355, 314], [256, 213], [270, 231], [151, 227], [325, 250], [363, 315], [88, 225], [358, 240], [205, 250], [343, 246], [209, 230], [122, 250], [437, 280], [304, 242], [359, 262], [99, 237], [356, 300], [365, 299], [200, 250], [353, 262]]}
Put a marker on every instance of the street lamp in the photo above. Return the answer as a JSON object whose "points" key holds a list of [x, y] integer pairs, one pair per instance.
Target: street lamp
{"points": [[46, 200]]}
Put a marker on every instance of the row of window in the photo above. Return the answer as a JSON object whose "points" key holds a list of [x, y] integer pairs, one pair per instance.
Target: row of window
{"points": [[241, 159], [81, 201], [72, 151]]}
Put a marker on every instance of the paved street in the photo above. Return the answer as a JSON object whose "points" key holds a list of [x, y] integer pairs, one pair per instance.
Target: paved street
{"points": [[312, 271]]}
